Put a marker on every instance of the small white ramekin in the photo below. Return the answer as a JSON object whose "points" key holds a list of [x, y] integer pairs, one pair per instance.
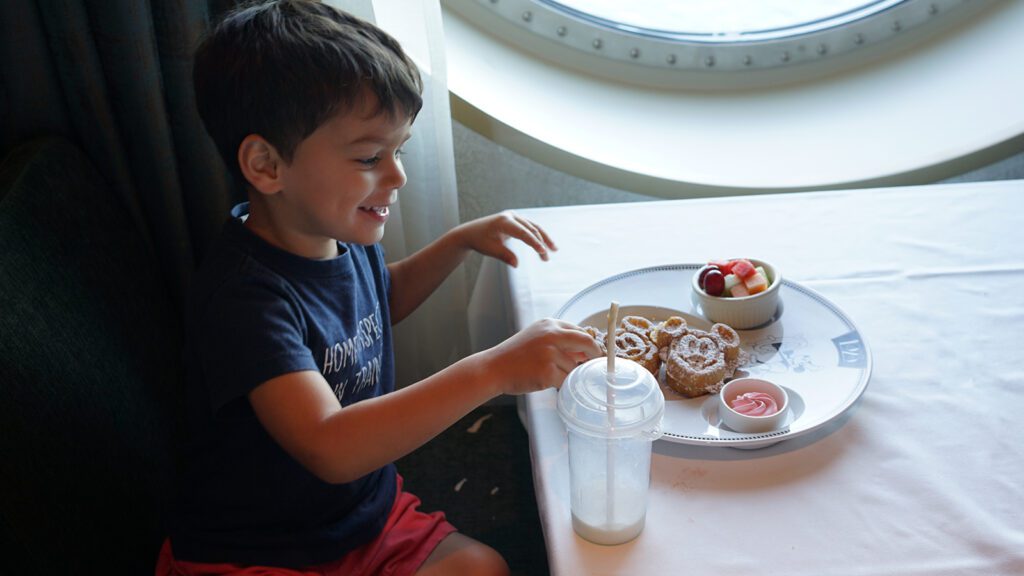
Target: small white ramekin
{"points": [[752, 424]]}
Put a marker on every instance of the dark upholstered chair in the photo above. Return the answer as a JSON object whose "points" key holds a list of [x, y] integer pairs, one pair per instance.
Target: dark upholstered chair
{"points": [[89, 373]]}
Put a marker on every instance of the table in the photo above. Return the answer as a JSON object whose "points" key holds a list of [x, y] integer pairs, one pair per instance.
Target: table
{"points": [[922, 476]]}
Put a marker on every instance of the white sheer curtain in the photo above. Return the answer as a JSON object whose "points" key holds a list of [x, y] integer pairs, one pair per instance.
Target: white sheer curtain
{"points": [[436, 334]]}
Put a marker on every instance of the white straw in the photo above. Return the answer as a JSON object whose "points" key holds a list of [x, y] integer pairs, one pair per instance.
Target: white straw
{"points": [[613, 321]]}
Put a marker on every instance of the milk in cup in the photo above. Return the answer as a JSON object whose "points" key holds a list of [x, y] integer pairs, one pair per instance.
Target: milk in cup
{"points": [[612, 423]]}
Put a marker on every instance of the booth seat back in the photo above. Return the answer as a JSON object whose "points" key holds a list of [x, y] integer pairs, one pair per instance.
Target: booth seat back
{"points": [[89, 373]]}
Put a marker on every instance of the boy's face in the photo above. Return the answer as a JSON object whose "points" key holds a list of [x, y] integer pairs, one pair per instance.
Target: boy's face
{"points": [[343, 178]]}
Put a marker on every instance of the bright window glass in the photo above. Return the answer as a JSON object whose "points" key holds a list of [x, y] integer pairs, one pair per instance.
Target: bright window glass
{"points": [[721, 20]]}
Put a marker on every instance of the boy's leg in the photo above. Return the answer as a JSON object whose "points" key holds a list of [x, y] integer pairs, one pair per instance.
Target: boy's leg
{"points": [[459, 555]]}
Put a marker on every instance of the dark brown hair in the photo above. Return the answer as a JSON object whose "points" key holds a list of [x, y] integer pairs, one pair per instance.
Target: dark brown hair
{"points": [[282, 68]]}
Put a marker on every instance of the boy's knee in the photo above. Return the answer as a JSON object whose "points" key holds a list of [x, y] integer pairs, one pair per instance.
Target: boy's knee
{"points": [[479, 559], [488, 562], [464, 556]]}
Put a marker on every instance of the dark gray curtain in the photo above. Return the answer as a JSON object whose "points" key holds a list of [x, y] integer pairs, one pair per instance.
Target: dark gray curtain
{"points": [[110, 190], [114, 77]]}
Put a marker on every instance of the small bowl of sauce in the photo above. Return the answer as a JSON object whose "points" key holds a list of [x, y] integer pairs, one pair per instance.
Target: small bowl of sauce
{"points": [[752, 405]]}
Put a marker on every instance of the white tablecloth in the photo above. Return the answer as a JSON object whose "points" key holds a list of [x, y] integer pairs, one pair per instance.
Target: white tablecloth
{"points": [[924, 476]]}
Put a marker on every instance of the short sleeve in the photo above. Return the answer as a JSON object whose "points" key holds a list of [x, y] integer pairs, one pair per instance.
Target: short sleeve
{"points": [[250, 331]]}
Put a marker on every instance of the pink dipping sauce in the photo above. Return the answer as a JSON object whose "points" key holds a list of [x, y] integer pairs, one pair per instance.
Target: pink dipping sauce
{"points": [[754, 404]]}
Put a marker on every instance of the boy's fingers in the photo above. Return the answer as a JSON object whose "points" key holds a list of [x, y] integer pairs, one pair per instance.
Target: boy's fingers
{"points": [[565, 364], [540, 233], [508, 257], [522, 230], [565, 324], [537, 232], [567, 360], [576, 341]]}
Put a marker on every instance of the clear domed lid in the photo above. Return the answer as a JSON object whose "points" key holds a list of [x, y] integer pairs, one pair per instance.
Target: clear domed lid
{"points": [[631, 404]]}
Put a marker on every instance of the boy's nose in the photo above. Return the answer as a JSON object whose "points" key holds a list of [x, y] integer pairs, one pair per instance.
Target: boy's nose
{"points": [[395, 177]]}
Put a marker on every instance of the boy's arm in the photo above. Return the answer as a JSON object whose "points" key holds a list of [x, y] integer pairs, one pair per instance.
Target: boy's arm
{"points": [[414, 279], [337, 444]]}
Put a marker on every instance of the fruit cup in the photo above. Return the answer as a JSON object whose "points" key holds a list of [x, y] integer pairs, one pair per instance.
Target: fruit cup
{"points": [[743, 312]]}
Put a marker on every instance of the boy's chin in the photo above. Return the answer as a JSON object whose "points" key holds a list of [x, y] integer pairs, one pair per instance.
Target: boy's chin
{"points": [[368, 238]]}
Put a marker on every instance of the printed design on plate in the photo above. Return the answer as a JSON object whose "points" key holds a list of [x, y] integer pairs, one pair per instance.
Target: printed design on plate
{"points": [[776, 355], [850, 349]]}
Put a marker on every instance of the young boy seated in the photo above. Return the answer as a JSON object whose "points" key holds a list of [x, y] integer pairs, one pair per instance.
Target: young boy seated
{"points": [[292, 415]]}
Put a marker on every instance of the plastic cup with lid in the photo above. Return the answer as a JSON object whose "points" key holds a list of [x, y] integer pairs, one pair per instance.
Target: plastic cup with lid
{"points": [[611, 424]]}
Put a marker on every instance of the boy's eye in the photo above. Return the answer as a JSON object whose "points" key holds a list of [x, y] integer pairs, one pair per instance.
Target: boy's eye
{"points": [[371, 162]]}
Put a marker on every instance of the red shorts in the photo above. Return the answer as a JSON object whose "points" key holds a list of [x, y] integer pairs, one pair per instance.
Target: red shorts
{"points": [[409, 536]]}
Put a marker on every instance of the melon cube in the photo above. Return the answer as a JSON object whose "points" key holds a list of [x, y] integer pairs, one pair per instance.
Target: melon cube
{"points": [[739, 290], [743, 268], [765, 274], [756, 283], [731, 280]]}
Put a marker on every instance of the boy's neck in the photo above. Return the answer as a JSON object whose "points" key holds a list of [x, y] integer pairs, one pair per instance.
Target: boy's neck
{"points": [[262, 223]]}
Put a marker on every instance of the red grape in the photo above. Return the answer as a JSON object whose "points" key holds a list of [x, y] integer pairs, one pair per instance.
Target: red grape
{"points": [[703, 272], [714, 283]]}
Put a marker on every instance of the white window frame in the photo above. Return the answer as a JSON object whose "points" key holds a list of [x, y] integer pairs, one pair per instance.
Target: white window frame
{"points": [[929, 102]]}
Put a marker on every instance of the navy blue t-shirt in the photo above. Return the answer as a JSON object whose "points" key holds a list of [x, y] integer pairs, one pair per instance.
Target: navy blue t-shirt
{"points": [[254, 313]]}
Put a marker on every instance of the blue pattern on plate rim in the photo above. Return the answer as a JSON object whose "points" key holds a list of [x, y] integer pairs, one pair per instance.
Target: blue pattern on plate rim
{"points": [[784, 352]]}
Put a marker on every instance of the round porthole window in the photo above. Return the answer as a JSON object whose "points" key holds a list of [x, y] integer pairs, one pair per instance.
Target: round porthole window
{"points": [[712, 35], [708, 97]]}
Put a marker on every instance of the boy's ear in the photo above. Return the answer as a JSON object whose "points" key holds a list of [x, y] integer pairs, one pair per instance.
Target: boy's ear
{"points": [[261, 164]]}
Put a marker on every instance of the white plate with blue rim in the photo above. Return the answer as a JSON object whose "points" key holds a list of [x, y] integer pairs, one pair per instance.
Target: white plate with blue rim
{"points": [[810, 347]]}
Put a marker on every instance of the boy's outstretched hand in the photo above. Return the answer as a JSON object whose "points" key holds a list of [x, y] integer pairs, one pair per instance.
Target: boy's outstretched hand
{"points": [[539, 356], [415, 277], [487, 236]]}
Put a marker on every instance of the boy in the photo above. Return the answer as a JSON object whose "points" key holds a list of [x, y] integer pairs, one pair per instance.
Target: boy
{"points": [[293, 421]]}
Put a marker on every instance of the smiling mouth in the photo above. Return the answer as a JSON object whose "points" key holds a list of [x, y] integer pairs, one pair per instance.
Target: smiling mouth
{"points": [[378, 210]]}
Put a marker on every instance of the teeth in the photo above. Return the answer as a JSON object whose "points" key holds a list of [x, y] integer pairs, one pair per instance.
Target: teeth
{"points": [[381, 210]]}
